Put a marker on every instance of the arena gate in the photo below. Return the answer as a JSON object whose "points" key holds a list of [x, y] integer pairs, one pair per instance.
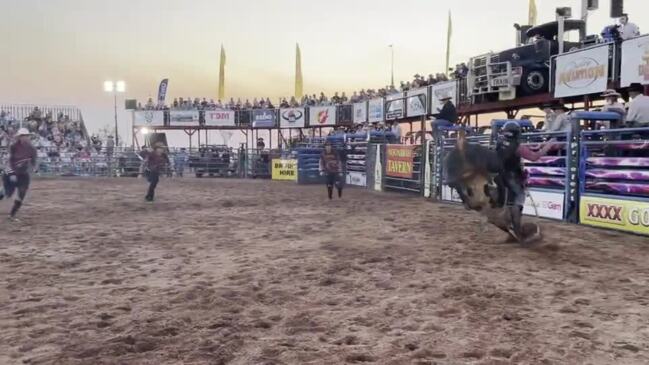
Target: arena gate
{"points": [[552, 181], [614, 179]]}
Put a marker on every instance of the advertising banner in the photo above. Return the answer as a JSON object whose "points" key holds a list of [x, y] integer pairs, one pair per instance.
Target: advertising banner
{"points": [[450, 195], [417, 102], [582, 72], [357, 178], [360, 113], [394, 107], [624, 215], [635, 61], [548, 204], [442, 90], [219, 118], [375, 110], [322, 116], [345, 114], [292, 118], [285, 170], [183, 118], [148, 118], [162, 91], [400, 161], [264, 118]]}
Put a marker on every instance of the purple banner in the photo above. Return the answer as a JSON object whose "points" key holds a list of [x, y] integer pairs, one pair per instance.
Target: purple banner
{"points": [[619, 188], [618, 161], [635, 175], [541, 170]]}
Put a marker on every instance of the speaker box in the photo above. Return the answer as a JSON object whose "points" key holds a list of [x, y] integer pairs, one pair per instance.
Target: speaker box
{"points": [[154, 138], [593, 4], [617, 8], [130, 104]]}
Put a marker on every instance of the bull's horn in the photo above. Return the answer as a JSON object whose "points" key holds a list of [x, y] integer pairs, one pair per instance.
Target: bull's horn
{"points": [[461, 141]]}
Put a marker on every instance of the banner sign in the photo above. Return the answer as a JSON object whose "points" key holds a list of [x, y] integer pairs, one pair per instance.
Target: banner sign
{"points": [[322, 116], [417, 102], [624, 215], [360, 113], [400, 161], [183, 118], [162, 91], [582, 72], [220, 118], [394, 107], [450, 195], [442, 90], [285, 170], [357, 178], [548, 204], [635, 61], [292, 118], [263, 118], [375, 110], [148, 118]]}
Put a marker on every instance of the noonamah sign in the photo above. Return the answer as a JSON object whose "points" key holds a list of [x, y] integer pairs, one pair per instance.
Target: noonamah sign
{"points": [[400, 161], [582, 72]]}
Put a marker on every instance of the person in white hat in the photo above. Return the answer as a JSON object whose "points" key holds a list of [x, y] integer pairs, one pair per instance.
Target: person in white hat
{"points": [[611, 104], [22, 158]]}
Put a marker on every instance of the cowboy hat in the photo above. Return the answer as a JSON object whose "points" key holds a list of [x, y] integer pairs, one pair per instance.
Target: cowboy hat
{"points": [[611, 92], [444, 98], [636, 87], [560, 107], [23, 132]]}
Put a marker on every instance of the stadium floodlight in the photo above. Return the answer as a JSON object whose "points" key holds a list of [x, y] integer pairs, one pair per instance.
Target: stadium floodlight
{"points": [[114, 88], [120, 86], [109, 86]]}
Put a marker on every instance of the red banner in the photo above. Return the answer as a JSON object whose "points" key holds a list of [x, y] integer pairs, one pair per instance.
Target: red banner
{"points": [[400, 161]]}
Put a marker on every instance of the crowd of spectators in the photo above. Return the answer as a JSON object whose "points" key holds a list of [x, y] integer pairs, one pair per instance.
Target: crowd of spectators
{"points": [[48, 131], [338, 98]]}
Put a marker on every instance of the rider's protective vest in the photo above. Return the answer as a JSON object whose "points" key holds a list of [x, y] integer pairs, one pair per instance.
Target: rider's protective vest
{"points": [[507, 150]]}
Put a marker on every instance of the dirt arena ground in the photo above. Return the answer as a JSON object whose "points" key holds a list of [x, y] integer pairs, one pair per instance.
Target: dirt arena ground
{"points": [[258, 272]]}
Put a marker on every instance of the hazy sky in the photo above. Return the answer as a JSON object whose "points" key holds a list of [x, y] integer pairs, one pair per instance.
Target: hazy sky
{"points": [[61, 51]]}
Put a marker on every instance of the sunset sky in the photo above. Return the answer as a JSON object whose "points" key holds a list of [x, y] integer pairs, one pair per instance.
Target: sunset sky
{"points": [[61, 51]]}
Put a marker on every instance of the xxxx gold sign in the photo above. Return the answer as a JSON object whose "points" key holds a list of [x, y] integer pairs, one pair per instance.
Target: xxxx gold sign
{"points": [[626, 215], [400, 161]]}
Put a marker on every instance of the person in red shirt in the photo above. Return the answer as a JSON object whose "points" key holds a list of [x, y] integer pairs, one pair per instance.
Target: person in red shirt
{"points": [[331, 166], [512, 175], [22, 158], [155, 162]]}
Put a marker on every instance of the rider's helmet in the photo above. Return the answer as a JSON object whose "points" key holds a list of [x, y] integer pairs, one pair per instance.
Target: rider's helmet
{"points": [[511, 130]]}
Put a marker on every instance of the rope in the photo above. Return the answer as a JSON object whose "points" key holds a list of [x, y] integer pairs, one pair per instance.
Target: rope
{"points": [[536, 210]]}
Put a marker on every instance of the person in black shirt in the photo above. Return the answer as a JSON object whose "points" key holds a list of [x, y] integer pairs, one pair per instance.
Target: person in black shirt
{"points": [[447, 115]]}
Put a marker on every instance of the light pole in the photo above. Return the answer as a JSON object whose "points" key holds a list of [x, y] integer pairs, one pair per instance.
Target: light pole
{"points": [[392, 68], [115, 87]]}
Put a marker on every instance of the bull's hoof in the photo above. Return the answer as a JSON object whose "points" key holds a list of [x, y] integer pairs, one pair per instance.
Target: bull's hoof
{"points": [[531, 233]]}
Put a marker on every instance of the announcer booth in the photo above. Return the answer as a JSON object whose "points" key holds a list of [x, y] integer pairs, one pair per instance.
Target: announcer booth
{"points": [[614, 179]]}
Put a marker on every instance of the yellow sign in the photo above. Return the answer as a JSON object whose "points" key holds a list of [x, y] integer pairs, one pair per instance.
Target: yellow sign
{"points": [[284, 170], [625, 215]]}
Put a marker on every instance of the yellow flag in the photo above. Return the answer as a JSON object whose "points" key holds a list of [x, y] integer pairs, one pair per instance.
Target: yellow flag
{"points": [[298, 73], [222, 75], [532, 13], [448, 41]]}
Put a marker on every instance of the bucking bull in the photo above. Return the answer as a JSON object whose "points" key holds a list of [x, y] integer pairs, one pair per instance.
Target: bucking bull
{"points": [[474, 172]]}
